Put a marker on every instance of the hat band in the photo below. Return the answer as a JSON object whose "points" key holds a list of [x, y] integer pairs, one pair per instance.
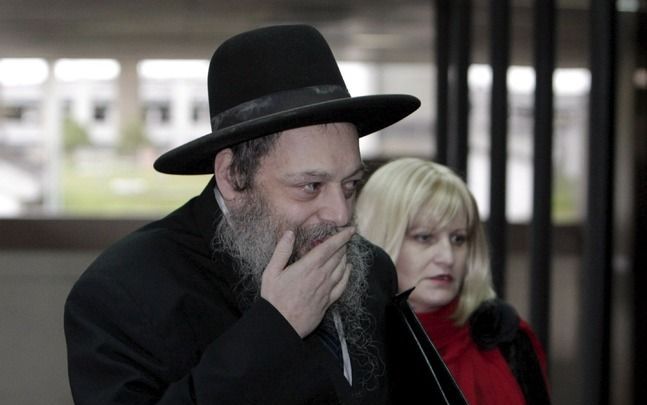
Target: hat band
{"points": [[277, 102]]}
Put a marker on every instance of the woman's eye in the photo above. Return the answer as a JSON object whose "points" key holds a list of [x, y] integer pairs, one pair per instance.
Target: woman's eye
{"points": [[422, 237], [459, 239]]}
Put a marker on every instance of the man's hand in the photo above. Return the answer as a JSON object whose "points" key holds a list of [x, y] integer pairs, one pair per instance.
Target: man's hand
{"points": [[303, 291]]}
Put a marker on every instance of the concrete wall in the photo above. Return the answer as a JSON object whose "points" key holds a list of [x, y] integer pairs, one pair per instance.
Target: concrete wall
{"points": [[33, 288]]}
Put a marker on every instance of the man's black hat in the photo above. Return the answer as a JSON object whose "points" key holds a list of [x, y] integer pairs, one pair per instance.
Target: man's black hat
{"points": [[273, 79]]}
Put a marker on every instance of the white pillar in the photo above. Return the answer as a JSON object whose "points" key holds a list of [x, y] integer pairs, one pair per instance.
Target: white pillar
{"points": [[51, 126], [180, 111], [128, 103]]}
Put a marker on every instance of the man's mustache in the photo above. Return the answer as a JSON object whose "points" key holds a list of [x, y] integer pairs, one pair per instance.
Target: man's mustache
{"points": [[306, 238]]}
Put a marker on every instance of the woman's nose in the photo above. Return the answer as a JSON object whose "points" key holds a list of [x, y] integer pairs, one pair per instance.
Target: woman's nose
{"points": [[444, 253]]}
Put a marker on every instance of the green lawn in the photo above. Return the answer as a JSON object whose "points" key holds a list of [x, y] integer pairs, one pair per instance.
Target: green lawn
{"points": [[110, 186], [123, 187], [564, 207]]}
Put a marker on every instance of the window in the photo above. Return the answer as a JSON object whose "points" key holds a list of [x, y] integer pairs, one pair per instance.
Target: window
{"points": [[21, 113], [157, 113], [100, 112], [81, 160], [200, 112]]}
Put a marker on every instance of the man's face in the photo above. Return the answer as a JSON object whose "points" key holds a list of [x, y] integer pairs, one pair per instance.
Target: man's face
{"points": [[307, 183], [309, 180]]}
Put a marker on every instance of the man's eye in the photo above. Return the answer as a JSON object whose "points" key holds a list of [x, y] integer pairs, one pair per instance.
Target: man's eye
{"points": [[311, 187], [350, 187]]}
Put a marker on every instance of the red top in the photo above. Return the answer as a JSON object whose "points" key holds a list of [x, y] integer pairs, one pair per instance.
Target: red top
{"points": [[483, 375]]}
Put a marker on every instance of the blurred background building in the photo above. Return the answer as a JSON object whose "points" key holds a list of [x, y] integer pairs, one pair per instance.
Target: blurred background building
{"points": [[90, 94]]}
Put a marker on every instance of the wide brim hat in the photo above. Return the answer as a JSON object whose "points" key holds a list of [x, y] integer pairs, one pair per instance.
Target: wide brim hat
{"points": [[273, 79]]}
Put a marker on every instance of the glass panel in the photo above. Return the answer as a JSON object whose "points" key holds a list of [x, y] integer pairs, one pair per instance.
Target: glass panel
{"points": [[571, 90], [81, 142]]}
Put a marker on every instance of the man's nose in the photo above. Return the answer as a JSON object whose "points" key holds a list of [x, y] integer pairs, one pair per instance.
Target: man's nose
{"points": [[335, 207]]}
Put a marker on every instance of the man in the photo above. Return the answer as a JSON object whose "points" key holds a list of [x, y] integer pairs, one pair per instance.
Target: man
{"points": [[258, 290]]}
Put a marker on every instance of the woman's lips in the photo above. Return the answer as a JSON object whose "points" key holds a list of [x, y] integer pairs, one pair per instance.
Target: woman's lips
{"points": [[443, 278]]}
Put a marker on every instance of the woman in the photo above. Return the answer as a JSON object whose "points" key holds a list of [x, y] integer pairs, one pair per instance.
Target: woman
{"points": [[427, 220]]}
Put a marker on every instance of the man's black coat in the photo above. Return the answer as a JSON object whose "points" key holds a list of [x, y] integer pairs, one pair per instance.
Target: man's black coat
{"points": [[155, 320]]}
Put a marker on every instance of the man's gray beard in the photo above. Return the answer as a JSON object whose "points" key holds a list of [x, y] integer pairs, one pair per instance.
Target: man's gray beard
{"points": [[249, 235]]}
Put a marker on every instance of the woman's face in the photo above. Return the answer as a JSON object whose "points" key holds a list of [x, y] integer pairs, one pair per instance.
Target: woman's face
{"points": [[433, 260]]}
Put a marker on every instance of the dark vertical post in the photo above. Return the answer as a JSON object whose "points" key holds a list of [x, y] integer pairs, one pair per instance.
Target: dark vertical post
{"points": [[499, 60], [640, 227], [596, 278], [460, 49], [442, 65], [640, 253], [540, 266]]}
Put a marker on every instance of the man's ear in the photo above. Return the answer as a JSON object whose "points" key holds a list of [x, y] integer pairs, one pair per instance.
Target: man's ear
{"points": [[222, 171]]}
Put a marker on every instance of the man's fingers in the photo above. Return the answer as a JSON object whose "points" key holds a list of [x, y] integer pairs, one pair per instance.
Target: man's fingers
{"points": [[303, 291], [326, 250], [281, 254], [338, 289], [338, 271]]}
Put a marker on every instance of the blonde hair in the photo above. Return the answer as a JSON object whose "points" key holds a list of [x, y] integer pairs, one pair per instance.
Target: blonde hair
{"points": [[407, 189]]}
